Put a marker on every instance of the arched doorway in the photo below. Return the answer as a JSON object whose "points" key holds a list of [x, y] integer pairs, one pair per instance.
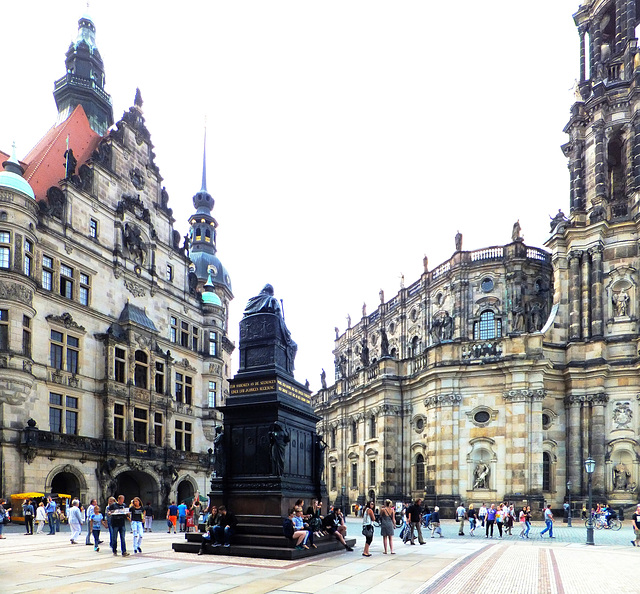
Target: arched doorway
{"points": [[135, 483], [185, 491], [67, 483]]}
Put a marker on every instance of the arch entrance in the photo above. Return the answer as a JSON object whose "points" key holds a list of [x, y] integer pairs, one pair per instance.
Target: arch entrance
{"points": [[185, 491], [136, 483], [67, 483]]}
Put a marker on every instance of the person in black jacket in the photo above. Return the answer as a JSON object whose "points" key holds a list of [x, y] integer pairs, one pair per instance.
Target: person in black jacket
{"points": [[332, 524], [226, 527], [212, 521]]}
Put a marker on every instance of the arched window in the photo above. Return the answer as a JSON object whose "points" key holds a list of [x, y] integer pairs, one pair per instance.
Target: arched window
{"points": [[394, 353], [141, 372], [415, 346], [546, 472], [207, 236], [198, 234], [419, 472], [488, 327], [372, 426]]}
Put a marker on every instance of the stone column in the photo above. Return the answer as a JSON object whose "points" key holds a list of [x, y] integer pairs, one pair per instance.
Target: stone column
{"points": [[597, 321], [621, 25], [432, 430], [600, 165], [574, 433], [597, 441], [581, 32], [596, 48], [636, 152], [578, 176], [574, 294], [586, 295], [631, 19]]}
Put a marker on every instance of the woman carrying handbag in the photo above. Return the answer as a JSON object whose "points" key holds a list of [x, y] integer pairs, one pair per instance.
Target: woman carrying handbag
{"points": [[368, 518]]}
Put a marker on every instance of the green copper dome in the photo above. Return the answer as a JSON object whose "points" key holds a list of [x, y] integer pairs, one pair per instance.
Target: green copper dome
{"points": [[11, 177]]}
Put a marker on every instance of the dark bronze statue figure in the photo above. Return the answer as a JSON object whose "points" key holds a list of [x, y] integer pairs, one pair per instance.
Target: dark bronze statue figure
{"points": [[278, 439]]}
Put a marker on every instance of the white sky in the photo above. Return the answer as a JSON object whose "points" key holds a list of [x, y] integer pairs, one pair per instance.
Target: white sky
{"points": [[346, 138]]}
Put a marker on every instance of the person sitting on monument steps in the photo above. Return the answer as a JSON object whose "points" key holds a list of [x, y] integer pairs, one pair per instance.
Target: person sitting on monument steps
{"points": [[290, 531], [212, 521], [298, 524], [314, 515], [226, 527], [332, 523]]}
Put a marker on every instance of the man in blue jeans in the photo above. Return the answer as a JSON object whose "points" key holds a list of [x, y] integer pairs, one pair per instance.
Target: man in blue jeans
{"points": [[226, 528], [118, 512], [548, 520], [50, 510]]}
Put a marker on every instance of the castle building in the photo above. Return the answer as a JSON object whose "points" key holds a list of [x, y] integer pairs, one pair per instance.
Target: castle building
{"points": [[114, 352], [497, 374]]}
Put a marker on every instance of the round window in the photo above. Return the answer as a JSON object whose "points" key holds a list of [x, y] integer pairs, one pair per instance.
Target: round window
{"points": [[487, 284], [481, 416], [420, 424], [546, 420]]}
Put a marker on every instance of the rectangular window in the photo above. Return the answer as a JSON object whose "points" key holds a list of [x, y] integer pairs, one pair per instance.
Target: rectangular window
{"points": [[184, 335], [66, 281], [333, 438], [93, 228], [194, 338], [187, 437], [188, 390], [63, 414], [354, 475], [333, 478], [174, 329], [372, 473], [213, 389], [213, 344], [169, 273], [84, 289], [157, 430], [47, 273], [159, 377], [120, 365], [179, 435], [140, 417], [5, 250], [179, 387], [56, 349], [118, 421], [73, 346], [28, 249], [4, 329], [183, 436], [26, 336]]}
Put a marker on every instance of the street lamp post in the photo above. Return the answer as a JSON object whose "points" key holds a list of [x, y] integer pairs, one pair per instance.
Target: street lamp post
{"points": [[569, 485], [590, 466]]}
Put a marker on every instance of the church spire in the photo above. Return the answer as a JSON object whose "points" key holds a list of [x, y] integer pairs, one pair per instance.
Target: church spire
{"points": [[83, 83], [204, 161]]}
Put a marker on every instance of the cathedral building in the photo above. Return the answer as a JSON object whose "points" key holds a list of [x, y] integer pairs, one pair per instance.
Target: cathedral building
{"points": [[113, 329], [497, 374]]}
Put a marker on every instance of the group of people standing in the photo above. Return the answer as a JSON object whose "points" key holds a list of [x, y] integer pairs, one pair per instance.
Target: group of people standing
{"points": [[186, 517], [503, 517]]}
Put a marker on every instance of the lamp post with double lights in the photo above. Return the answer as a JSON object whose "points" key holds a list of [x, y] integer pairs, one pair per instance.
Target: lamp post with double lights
{"points": [[590, 466], [569, 485]]}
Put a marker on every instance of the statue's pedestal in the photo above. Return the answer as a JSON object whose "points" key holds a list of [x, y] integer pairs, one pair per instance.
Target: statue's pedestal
{"points": [[262, 394]]}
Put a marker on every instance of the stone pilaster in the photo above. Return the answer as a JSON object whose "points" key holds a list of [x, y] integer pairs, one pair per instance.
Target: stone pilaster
{"points": [[636, 152], [586, 295], [600, 164], [621, 25], [597, 321], [597, 440], [578, 176], [574, 442], [582, 55], [574, 295]]}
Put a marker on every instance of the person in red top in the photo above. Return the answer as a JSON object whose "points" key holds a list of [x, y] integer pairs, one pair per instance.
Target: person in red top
{"points": [[190, 525]]}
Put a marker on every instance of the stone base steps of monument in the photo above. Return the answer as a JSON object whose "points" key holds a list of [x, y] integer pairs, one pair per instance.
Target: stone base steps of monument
{"points": [[260, 540]]}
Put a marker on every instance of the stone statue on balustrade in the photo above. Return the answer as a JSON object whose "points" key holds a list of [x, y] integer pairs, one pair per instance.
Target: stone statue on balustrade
{"points": [[384, 343], [364, 353], [515, 232], [323, 379], [481, 476]]}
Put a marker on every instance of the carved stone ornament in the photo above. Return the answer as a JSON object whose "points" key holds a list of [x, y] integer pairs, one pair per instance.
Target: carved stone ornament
{"points": [[16, 292], [622, 415], [137, 179], [601, 399], [524, 395], [185, 363], [14, 392], [66, 320], [443, 400], [136, 289]]}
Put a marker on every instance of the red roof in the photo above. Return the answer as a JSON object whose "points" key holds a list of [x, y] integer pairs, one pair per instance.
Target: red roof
{"points": [[45, 161]]}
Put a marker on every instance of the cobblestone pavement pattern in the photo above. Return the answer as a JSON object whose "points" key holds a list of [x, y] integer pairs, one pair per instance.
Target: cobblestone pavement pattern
{"points": [[454, 564]]}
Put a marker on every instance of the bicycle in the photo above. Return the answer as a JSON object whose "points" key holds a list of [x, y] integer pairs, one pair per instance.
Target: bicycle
{"points": [[600, 523]]}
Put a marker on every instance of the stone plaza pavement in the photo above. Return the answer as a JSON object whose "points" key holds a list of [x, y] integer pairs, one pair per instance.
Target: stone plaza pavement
{"points": [[442, 565]]}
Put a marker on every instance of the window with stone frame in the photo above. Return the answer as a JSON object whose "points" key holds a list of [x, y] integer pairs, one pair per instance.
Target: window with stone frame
{"points": [[334, 478], [66, 281], [5, 249], [85, 289], [63, 414], [28, 257], [354, 432], [120, 365], [47, 273], [488, 327], [93, 228], [169, 273], [195, 334], [158, 430], [64, 351], [4, 329], [333, 438], [159, 379], [141, 370], [419, 472], [184, 334], [213, 344], [354, 475], [372, 427], [173, 331], [546, 472], [372, 473], [184, 388], [213, 393], [118, 421], [26, 336], [183, 436], [140, 425]]}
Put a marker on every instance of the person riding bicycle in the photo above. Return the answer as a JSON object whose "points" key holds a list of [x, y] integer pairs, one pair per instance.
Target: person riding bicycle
{"points": [[607, 514]]}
